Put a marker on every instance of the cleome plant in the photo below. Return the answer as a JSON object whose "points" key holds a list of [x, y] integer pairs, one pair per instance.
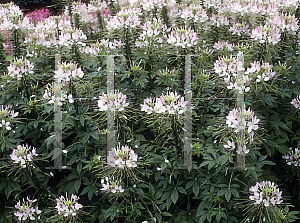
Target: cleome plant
{"points": [[150, 111]]}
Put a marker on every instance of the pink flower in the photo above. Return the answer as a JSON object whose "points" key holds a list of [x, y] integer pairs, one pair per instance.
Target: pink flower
{"points": [[152, 33], [265, 193], [122, 157], [292, 157], [26, 211], [296, 102], [125, 18], [19, 68], [68, 207], [183, 37], [171, 103], [194, 13], [23, 155], [230, 145], [112, 102], [266, 33], [111, 185], [38, 15], [240, 119]]}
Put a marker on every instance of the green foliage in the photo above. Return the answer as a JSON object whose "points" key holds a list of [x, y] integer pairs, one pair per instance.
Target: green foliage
{"points": [[159, 189]]}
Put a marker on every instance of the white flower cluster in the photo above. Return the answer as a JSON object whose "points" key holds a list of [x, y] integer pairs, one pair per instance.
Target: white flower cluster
{"points": [[50, 95], [262, 72], [292, 157], [20, 67], [23, 155], [171, 103], [87, 12], [284, 22], [26, 211], [45, 33], [69, 37], [67, 207], [240, 149], [265, 193], [68, 71], [223, 45], [152, 33], [11, 17], [112, 102], [266, 33], [122, 157], [194, 13], [229, 68], [241, 119], [6, 114], [105, 46], [125, 18], [109, 184], [5, 124], [54, 31], [149, 5], [182, 37]]}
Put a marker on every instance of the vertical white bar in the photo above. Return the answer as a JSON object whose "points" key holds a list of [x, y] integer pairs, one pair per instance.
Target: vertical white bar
{"points": [[57, 153], [188, 115], [240, 106], [110, 111]]}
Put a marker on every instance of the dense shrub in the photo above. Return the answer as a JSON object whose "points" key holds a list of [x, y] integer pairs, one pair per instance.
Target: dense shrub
{"points": [[240, 48]]}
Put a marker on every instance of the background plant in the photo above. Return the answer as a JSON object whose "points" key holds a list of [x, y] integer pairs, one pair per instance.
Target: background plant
{"points": [[149, 41]]}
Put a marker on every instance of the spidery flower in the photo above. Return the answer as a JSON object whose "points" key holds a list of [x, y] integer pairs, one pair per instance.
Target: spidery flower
{"points": [[67, 208], [110, 185], [241, 119], [105, 46], [194, 13], [296, 102], [121, 157], [261, 71], [240, 149], [266, 33], [223, 45], [38, 15], [23, 155], [50, 95], [171, 103], [183, 37], [26, 210], [150, 5], [20, 67], [152, 33], [125, 18], [292, 157], [228, 67], [7, 112], [112, 102], [265, 193], [68, 71]]}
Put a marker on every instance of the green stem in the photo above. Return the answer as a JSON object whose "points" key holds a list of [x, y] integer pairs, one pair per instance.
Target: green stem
{"points": [[39, 185], [175, 133], [16, 45]]}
